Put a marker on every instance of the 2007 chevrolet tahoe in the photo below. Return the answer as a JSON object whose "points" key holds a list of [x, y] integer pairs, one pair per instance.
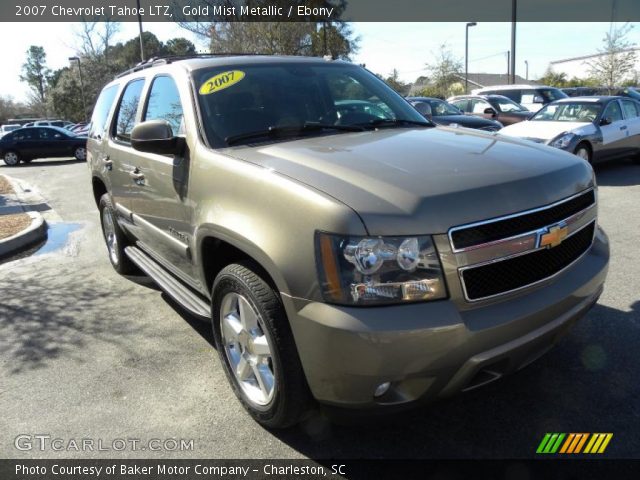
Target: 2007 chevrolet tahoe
{"points": [[345, 249]]}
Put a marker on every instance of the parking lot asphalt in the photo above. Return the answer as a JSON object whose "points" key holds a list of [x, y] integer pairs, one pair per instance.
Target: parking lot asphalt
{"points": [[85, 353]]}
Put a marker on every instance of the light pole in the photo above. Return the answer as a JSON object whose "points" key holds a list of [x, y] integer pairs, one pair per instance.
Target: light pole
{"points": [[140, 28], [526, 64], [84, 105], [466, 56], [513, 40]]}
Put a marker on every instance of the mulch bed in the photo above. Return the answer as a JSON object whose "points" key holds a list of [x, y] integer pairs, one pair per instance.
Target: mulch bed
{"points": [[12, 224], [5, 186]]}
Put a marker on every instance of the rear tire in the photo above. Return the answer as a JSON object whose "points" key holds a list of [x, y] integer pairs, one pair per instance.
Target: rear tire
{"points": [[11, 158], [114, 238], [584, 152], [80, 153], [256, 347]]}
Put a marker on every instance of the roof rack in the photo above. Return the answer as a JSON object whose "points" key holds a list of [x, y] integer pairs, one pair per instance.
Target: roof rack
{"points": [[164, 60]]}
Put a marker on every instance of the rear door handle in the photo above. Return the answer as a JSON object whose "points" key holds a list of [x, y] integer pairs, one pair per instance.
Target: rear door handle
{"points": [[107, 162], [137, 175]]}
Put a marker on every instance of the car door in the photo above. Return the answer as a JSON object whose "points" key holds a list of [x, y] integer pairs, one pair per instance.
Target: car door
{"points": [[119, 160], [54, 143], [631, 112], [614, 131], [160, 209]]}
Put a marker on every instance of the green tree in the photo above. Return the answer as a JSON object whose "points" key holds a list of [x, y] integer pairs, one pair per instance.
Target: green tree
{"points": [[444, 71], [398, 85], [617, 58], [553, 79], [179, 46], [35, 73]]}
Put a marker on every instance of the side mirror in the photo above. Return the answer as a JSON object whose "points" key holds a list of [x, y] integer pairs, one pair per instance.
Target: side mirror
{"points": [[156, 136], [423, 109], [538, 99], [490, 111], [606, 121]]}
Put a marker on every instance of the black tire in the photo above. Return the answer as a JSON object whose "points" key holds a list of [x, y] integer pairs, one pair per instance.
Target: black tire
{"points": [[583, 150], [118, 258], [11, 158], [292, 398]]}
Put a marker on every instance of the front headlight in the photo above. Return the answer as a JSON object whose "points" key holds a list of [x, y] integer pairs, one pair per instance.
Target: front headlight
{"points": [[378, 270], [562, 141]]}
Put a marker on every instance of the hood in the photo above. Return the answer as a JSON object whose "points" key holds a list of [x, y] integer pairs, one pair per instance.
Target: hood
{"points": [[544, 130], [464, 121], [411, 181]]}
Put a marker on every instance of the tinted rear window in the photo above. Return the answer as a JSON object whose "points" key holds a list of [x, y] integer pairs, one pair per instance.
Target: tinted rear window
{"points": [[126, 115], [97, 127]]}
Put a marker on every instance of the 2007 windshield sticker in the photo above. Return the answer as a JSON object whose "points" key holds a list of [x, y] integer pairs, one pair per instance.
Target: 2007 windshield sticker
{"points": [[221, 81]]}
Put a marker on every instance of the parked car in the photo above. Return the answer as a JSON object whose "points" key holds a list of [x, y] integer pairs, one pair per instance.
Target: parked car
{"points": [[4, 129], [532, 97], [594, 128], [631, 92], [584, 91], [443, 113], [27, 144], [495, 107], [353, 260], [51, 123]]}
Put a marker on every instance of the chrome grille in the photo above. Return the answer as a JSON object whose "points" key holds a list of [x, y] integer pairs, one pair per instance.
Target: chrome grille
{"points": [[508, 253]]}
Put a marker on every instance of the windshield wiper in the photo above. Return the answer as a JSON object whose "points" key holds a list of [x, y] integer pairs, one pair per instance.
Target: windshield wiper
{"points": [[397, 122], [275, 131]]}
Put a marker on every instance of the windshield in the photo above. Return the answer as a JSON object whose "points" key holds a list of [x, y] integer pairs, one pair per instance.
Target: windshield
{"points": [[10, 128], [569, 112], [440, 108], [277, 97], [505, 104]]}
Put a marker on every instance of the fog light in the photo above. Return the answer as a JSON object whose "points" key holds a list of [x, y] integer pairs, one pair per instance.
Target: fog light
{"points": [[382, 389]]}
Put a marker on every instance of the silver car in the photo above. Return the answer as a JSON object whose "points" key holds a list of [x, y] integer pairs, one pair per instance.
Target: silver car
{"points": [[594, 128]]}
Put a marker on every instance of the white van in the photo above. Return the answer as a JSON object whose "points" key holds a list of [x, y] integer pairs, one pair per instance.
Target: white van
{"points": [[532, 97]]}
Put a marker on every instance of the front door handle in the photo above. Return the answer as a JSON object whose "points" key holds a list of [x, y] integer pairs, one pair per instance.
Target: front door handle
{"points": [[623, 127], [107, 162], [137, 175]]}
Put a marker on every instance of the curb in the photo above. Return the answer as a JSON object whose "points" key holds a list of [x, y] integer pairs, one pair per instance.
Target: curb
{"points": [[34, 233]]}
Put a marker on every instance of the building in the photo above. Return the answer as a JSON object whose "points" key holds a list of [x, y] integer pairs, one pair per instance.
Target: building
{"points": [[579, 66], [480, 80]]}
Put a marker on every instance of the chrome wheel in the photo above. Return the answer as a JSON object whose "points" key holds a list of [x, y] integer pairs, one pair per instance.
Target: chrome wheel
{"points": [[583, 153], [80, 153], [109, 229], [11, 158], [247, 349]]}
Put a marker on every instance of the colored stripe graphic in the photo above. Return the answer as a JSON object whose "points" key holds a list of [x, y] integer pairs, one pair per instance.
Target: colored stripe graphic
{"points": [[553, 443]]}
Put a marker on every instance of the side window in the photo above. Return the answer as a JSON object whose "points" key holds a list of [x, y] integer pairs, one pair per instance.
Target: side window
{"points": [[479, 106], [126, 115], [515, 95], [26, 134], [528, 96], [613, 111], [630, 109], [98, 123], [461, 104], [164, 104]]}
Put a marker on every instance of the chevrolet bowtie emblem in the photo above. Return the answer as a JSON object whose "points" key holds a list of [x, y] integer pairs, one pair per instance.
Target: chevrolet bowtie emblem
{"points": [[554, 236]]}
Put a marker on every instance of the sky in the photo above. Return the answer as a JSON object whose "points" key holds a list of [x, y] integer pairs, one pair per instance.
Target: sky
{"points": [[406, 47]]}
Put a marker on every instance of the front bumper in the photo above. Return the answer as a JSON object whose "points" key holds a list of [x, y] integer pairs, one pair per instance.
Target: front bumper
{"points": [[435, 349]]}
